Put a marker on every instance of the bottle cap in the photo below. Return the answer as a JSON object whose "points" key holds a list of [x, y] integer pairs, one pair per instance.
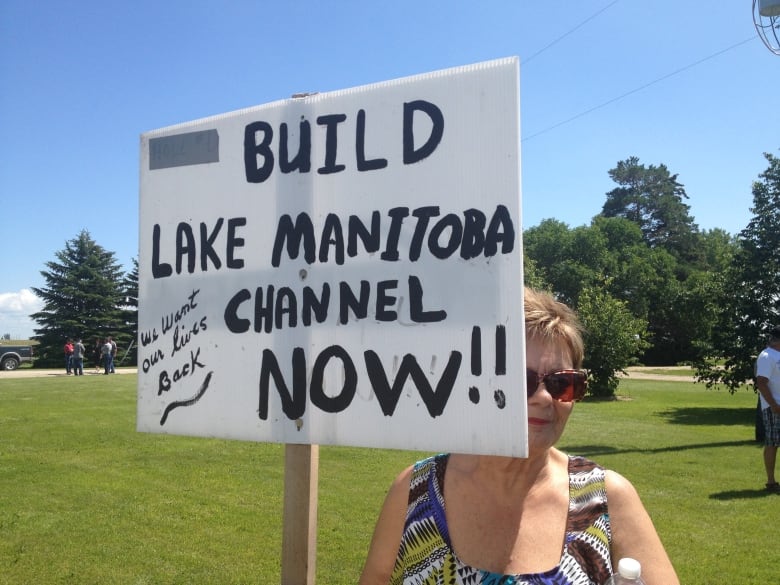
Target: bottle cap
{"points": [[629, 568]]}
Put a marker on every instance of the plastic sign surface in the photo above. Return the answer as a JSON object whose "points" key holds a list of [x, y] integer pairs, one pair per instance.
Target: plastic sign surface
{"points": [[342, 268]]}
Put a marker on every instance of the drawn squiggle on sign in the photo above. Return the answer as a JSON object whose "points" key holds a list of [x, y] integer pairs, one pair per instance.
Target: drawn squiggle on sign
{"points": [[189, 402]]}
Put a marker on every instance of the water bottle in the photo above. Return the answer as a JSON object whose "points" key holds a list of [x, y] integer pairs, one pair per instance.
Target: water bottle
{"points": [[628, 573]]}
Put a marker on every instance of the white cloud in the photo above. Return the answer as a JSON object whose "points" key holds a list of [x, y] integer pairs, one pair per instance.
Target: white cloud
{"points": [[15, 310]]}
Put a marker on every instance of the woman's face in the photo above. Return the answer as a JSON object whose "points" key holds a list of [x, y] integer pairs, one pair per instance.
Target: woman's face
{"points": [[546, 416]]}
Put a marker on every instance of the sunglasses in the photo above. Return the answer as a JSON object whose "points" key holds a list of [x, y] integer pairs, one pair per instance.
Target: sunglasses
{"points": [[563, 385]]}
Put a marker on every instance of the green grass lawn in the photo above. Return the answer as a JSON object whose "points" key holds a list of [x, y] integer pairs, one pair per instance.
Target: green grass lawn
{"points": [[85, 499]]}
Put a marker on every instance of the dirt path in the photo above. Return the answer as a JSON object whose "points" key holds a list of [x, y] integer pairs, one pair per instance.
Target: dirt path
{"points": [[649, 373], [44, 373]]}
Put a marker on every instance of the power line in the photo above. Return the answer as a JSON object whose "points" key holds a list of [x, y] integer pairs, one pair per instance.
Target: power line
{"points": [[640, 88], [566, 34]]}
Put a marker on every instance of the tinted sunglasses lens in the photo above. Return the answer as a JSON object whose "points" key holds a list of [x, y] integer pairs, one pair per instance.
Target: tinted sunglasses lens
{"points": [[573, 388], [560, 385], [565, 386], [531, 382], [580, 385]]}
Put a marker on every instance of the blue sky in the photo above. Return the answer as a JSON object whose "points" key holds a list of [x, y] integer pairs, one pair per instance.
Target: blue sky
{"points": [[685, 84]]}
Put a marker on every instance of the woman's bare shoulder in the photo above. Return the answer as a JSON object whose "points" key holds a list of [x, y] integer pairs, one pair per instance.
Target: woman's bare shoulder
{"points": [[633, 532], [388, 531], [619, 488]]}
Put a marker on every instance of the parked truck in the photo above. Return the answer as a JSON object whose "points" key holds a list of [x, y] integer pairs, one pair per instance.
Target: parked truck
{"points": [[13, 355]]}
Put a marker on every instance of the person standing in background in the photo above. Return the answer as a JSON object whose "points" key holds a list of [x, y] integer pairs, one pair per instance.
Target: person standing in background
{"points": [[768, 385], [78, 358], [105, 352], [97, 354], [113, 354], [68, 355]]}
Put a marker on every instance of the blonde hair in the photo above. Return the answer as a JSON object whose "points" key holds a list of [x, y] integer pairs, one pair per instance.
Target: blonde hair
{"points": [[551, 320]]}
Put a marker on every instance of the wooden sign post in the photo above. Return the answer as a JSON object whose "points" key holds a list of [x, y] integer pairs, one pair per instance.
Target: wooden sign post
{"points": [[299, 535]]}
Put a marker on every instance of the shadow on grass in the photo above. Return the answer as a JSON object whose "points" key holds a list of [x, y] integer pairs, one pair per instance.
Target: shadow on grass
{"points": [[594, 450], [743, 494], [710, 416]]}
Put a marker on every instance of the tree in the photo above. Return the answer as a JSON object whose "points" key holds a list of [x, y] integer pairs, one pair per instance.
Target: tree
{"points": [[547, 247], [684, 311], [678, 303], [566, 259], [750, 301], [652, 198], [632, 273], [82, 298], [531, 276], [718, 249], [613, 338], [601, 270], [130, 313]]}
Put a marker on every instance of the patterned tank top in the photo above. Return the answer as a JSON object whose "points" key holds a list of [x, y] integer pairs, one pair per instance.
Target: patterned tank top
{"points": [[426, 556]]}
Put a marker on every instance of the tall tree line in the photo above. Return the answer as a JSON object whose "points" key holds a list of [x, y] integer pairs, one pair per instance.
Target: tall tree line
{"points": [[651, 287], [748, 299]]}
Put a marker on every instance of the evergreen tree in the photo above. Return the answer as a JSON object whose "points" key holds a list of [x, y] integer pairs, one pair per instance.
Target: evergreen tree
{"points": [[82, 298], [130, 314], [750, 301], [652, 198]]}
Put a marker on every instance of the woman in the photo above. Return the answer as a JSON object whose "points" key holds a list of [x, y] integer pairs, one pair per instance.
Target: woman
{"points": [[547, 519]]}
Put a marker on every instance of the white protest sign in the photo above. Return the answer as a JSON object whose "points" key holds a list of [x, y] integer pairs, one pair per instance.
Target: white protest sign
{"points": [[342, 268]]}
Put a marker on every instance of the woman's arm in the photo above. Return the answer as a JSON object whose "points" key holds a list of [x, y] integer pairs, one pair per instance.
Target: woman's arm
{"points": [[387, 533], [633, 533]]}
